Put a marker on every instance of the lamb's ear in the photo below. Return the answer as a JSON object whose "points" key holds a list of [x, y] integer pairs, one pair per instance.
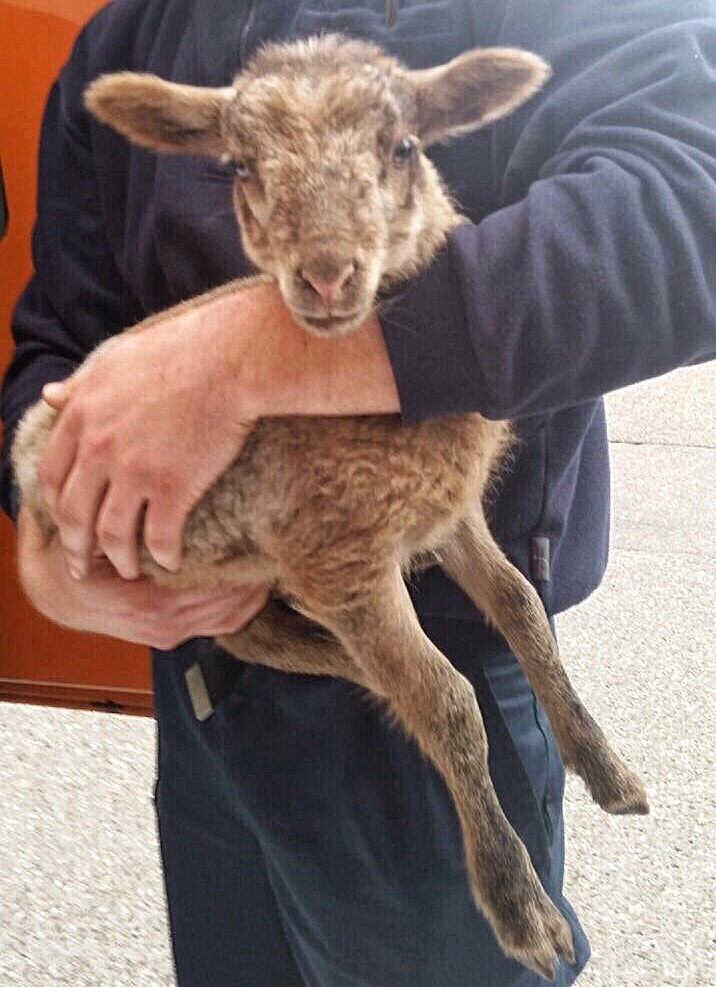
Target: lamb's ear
{"points": [[474, 89], [164, 116]]}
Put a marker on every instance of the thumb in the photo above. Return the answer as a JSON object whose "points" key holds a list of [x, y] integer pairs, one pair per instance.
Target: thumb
{"points": [[56, 394]]}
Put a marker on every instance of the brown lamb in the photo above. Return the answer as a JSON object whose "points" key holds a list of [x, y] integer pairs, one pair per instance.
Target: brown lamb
{"points": [[336, 200]]}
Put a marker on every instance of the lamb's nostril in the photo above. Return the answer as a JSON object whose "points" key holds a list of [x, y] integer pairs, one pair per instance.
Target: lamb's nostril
{"points": [[329, 288]]}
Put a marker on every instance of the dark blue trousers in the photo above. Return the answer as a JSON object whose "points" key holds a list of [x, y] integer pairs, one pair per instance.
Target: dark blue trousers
{"points": [[307, 843]]}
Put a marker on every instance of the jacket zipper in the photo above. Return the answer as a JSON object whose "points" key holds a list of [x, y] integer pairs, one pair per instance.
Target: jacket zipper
{"points": [[244, 37]]}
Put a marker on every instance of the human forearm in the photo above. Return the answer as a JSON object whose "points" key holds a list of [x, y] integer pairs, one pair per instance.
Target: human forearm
{"points": [[280, 369], [593, 282]]}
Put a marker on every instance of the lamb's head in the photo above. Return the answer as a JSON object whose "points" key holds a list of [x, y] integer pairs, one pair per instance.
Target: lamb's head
{"points": [[325, 137]]}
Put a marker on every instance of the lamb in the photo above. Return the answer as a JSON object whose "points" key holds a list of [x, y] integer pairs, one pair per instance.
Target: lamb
{"points": [[333, 120]]}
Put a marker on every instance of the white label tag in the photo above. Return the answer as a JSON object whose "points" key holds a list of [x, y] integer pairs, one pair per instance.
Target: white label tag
{"points": [[198, 693]]}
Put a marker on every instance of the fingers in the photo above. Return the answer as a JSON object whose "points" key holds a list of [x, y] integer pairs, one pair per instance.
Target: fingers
{"points": [[163, 526], [74, 477], [146, 598], [208, 619], [57, 461], [118, 529], [225, 616], [145, 613], [75, 511]]}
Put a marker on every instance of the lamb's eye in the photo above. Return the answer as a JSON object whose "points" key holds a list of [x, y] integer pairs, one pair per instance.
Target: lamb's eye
{"points": [[402, 151], [241, 169]]}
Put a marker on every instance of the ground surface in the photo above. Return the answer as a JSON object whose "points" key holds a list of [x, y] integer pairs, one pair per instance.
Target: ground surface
{"points": [[80, 886]]}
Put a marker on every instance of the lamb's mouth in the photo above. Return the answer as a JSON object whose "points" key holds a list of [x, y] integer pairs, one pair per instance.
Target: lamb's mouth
{"points": [[329, 325]]}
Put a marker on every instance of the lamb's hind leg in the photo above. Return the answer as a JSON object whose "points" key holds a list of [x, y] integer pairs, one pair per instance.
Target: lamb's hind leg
{"points": [[511, 604], [277, 637], [281, 638], [437, 706]]}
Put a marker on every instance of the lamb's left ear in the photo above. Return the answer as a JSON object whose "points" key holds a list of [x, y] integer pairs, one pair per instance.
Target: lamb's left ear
{"points": [[474, 89], [164, 116]]}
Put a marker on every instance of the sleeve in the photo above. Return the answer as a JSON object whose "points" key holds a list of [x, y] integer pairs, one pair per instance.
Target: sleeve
{"points": [[602, 272], [76, 297]]}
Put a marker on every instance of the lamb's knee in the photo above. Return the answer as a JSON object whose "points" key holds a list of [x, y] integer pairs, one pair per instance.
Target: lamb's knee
{"points": [[442, 714]]}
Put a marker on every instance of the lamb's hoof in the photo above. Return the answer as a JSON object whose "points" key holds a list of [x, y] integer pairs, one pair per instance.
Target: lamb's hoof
{"points": [[528, 925], [629, 803], [619, 791], [538, 937], [612, 785]]}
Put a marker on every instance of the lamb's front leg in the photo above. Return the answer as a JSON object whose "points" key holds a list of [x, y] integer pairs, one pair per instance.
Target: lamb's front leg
{"points": [[509, 602], [437, 706]]}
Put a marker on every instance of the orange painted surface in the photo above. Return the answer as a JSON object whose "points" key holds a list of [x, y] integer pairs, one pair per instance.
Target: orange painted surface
{"points": [[39, 662]]}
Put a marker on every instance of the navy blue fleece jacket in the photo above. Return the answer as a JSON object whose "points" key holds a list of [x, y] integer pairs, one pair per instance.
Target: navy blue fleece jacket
{"points": [[589, 262]]}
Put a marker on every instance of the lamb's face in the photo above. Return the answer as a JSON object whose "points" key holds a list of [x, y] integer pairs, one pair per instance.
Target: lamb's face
{"points": [[328, 189], [332, 191]]}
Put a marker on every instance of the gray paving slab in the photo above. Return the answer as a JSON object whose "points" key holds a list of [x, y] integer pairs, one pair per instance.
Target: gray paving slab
{"points": [[679, 409], [641, 651], [664, 498], [80, 884]]}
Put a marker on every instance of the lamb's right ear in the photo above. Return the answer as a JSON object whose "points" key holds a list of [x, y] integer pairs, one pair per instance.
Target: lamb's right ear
{"points": [[164, 116], [474, 89]]}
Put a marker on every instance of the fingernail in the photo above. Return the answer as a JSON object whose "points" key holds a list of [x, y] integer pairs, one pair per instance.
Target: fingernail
{"points": [[76, 565], [171, 565]]}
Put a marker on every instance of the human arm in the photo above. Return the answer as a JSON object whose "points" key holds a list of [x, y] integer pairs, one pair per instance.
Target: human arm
{"points": [[565, 292], [219, 367]]}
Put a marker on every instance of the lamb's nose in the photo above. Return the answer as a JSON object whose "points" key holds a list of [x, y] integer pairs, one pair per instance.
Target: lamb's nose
{"points": [[328, 287]]}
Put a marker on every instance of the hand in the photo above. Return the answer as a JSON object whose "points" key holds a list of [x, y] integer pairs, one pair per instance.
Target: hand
{"points": [[147, 425], [138, 611]]}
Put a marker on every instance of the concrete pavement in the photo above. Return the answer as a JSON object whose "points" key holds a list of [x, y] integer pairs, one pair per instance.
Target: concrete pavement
{"points": [[642, 653], [80, 885]]}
